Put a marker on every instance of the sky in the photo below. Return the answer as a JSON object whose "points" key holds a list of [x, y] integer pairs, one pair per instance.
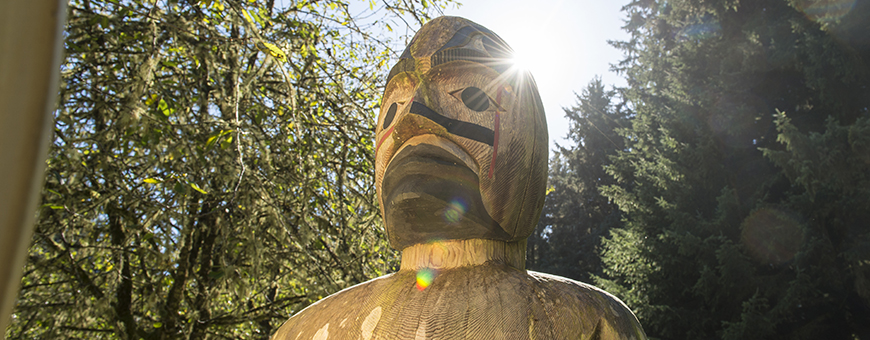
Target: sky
{"points": [[564, 41]]}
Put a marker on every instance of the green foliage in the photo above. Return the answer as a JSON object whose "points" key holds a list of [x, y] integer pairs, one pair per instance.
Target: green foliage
{"points": [[575, 214], [197, 187], [740, 221]]}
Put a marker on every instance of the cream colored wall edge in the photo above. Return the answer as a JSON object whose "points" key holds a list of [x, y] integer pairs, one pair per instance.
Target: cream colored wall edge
{"points": [[30, 54]]}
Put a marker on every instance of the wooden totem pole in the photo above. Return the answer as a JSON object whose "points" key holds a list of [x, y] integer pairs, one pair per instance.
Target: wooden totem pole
{"points": [[461, 170]]}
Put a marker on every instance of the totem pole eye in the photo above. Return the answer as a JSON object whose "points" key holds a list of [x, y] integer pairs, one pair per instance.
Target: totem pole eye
{"points": [[391, 113], [475, 99]]}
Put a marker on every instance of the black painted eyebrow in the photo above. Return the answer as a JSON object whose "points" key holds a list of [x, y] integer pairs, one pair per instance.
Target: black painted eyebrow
{"points": [[457, 127]]}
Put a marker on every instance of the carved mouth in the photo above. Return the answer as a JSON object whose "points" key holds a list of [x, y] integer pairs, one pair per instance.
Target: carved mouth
{"points": [[431, 193], [432, 160]]}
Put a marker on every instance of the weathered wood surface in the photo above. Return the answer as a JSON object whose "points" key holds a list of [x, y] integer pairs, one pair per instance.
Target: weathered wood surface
{"points": [[460, 172], [489, 301], [450, 254], [461, 140]]}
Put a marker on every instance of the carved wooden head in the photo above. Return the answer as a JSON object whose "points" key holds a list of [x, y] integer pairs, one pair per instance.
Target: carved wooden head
{"points": [[461, 148]]}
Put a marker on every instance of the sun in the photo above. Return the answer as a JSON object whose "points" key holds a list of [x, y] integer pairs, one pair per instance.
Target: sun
{"points": [[529, 50], [522, 60]]}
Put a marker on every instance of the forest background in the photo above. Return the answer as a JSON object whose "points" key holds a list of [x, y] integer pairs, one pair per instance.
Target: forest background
{"points": [[211, 169]]}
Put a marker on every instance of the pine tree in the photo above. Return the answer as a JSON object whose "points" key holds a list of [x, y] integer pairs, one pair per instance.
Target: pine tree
{"points": [[744, 186], [576, 216]]}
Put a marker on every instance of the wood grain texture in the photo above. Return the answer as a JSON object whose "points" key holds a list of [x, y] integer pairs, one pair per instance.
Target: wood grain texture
{"points": [[488, 301], [450, 254], [494, 158]]}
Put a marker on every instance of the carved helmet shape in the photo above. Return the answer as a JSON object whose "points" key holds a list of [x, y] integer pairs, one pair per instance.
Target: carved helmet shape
{"points": [[461, 140]]}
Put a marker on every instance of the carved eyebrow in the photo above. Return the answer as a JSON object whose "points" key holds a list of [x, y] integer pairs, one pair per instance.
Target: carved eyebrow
{"points": [[457, 127], [465, 34], [453, 54], [452, 50]]}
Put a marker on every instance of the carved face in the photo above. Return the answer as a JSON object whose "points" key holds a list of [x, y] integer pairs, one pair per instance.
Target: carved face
{"points": [[461, 141]]}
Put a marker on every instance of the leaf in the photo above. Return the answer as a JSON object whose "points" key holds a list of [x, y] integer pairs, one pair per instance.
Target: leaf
{"points": [[210, 141], [227, 143], [272, 50], [179, 188], [197, 188], [259, 18], [163, 106], [153, 98], [247, 16], [214, 137], [151, 180]]}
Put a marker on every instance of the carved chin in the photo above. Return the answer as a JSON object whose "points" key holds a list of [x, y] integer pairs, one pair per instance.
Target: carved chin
{"points": [[431, 194]]}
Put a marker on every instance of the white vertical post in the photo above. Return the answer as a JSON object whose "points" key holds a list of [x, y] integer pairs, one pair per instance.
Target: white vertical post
{"points": [[30, 54]]}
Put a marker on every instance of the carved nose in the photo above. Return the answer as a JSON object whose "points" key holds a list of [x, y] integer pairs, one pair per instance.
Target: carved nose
{"points": [[410, 124]]}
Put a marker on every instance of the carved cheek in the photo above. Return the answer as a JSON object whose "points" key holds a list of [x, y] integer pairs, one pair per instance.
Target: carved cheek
{"points": [[511, 164], [384, 145], [479, 145], [395, 103]]}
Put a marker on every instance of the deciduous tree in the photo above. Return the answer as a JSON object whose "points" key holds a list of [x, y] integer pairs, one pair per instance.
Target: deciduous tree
{"points": [[211, 168]]}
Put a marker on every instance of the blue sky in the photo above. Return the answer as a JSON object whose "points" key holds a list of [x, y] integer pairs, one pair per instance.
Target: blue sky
{"points": [[565, 40]]}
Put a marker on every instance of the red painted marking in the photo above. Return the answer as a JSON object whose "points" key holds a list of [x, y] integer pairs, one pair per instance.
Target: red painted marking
{"points": [[389, 131], [384, 137]]}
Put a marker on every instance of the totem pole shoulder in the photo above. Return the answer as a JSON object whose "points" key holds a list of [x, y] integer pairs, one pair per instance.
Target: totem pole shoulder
{"points": [[573, 306], [491, 301], [333, 316]]}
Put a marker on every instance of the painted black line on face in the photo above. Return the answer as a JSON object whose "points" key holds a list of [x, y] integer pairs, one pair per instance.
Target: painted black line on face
{"points": [[456, 127]]}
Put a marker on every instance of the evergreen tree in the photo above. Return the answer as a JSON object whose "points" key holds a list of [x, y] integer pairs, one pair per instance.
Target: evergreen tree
{"points": [[575, 214], [744, 183]]}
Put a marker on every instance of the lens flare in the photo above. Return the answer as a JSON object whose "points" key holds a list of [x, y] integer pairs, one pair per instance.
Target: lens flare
{"points": [[455, 210], [772, 236], [424, 278], [826, 11], [708, 27]]}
